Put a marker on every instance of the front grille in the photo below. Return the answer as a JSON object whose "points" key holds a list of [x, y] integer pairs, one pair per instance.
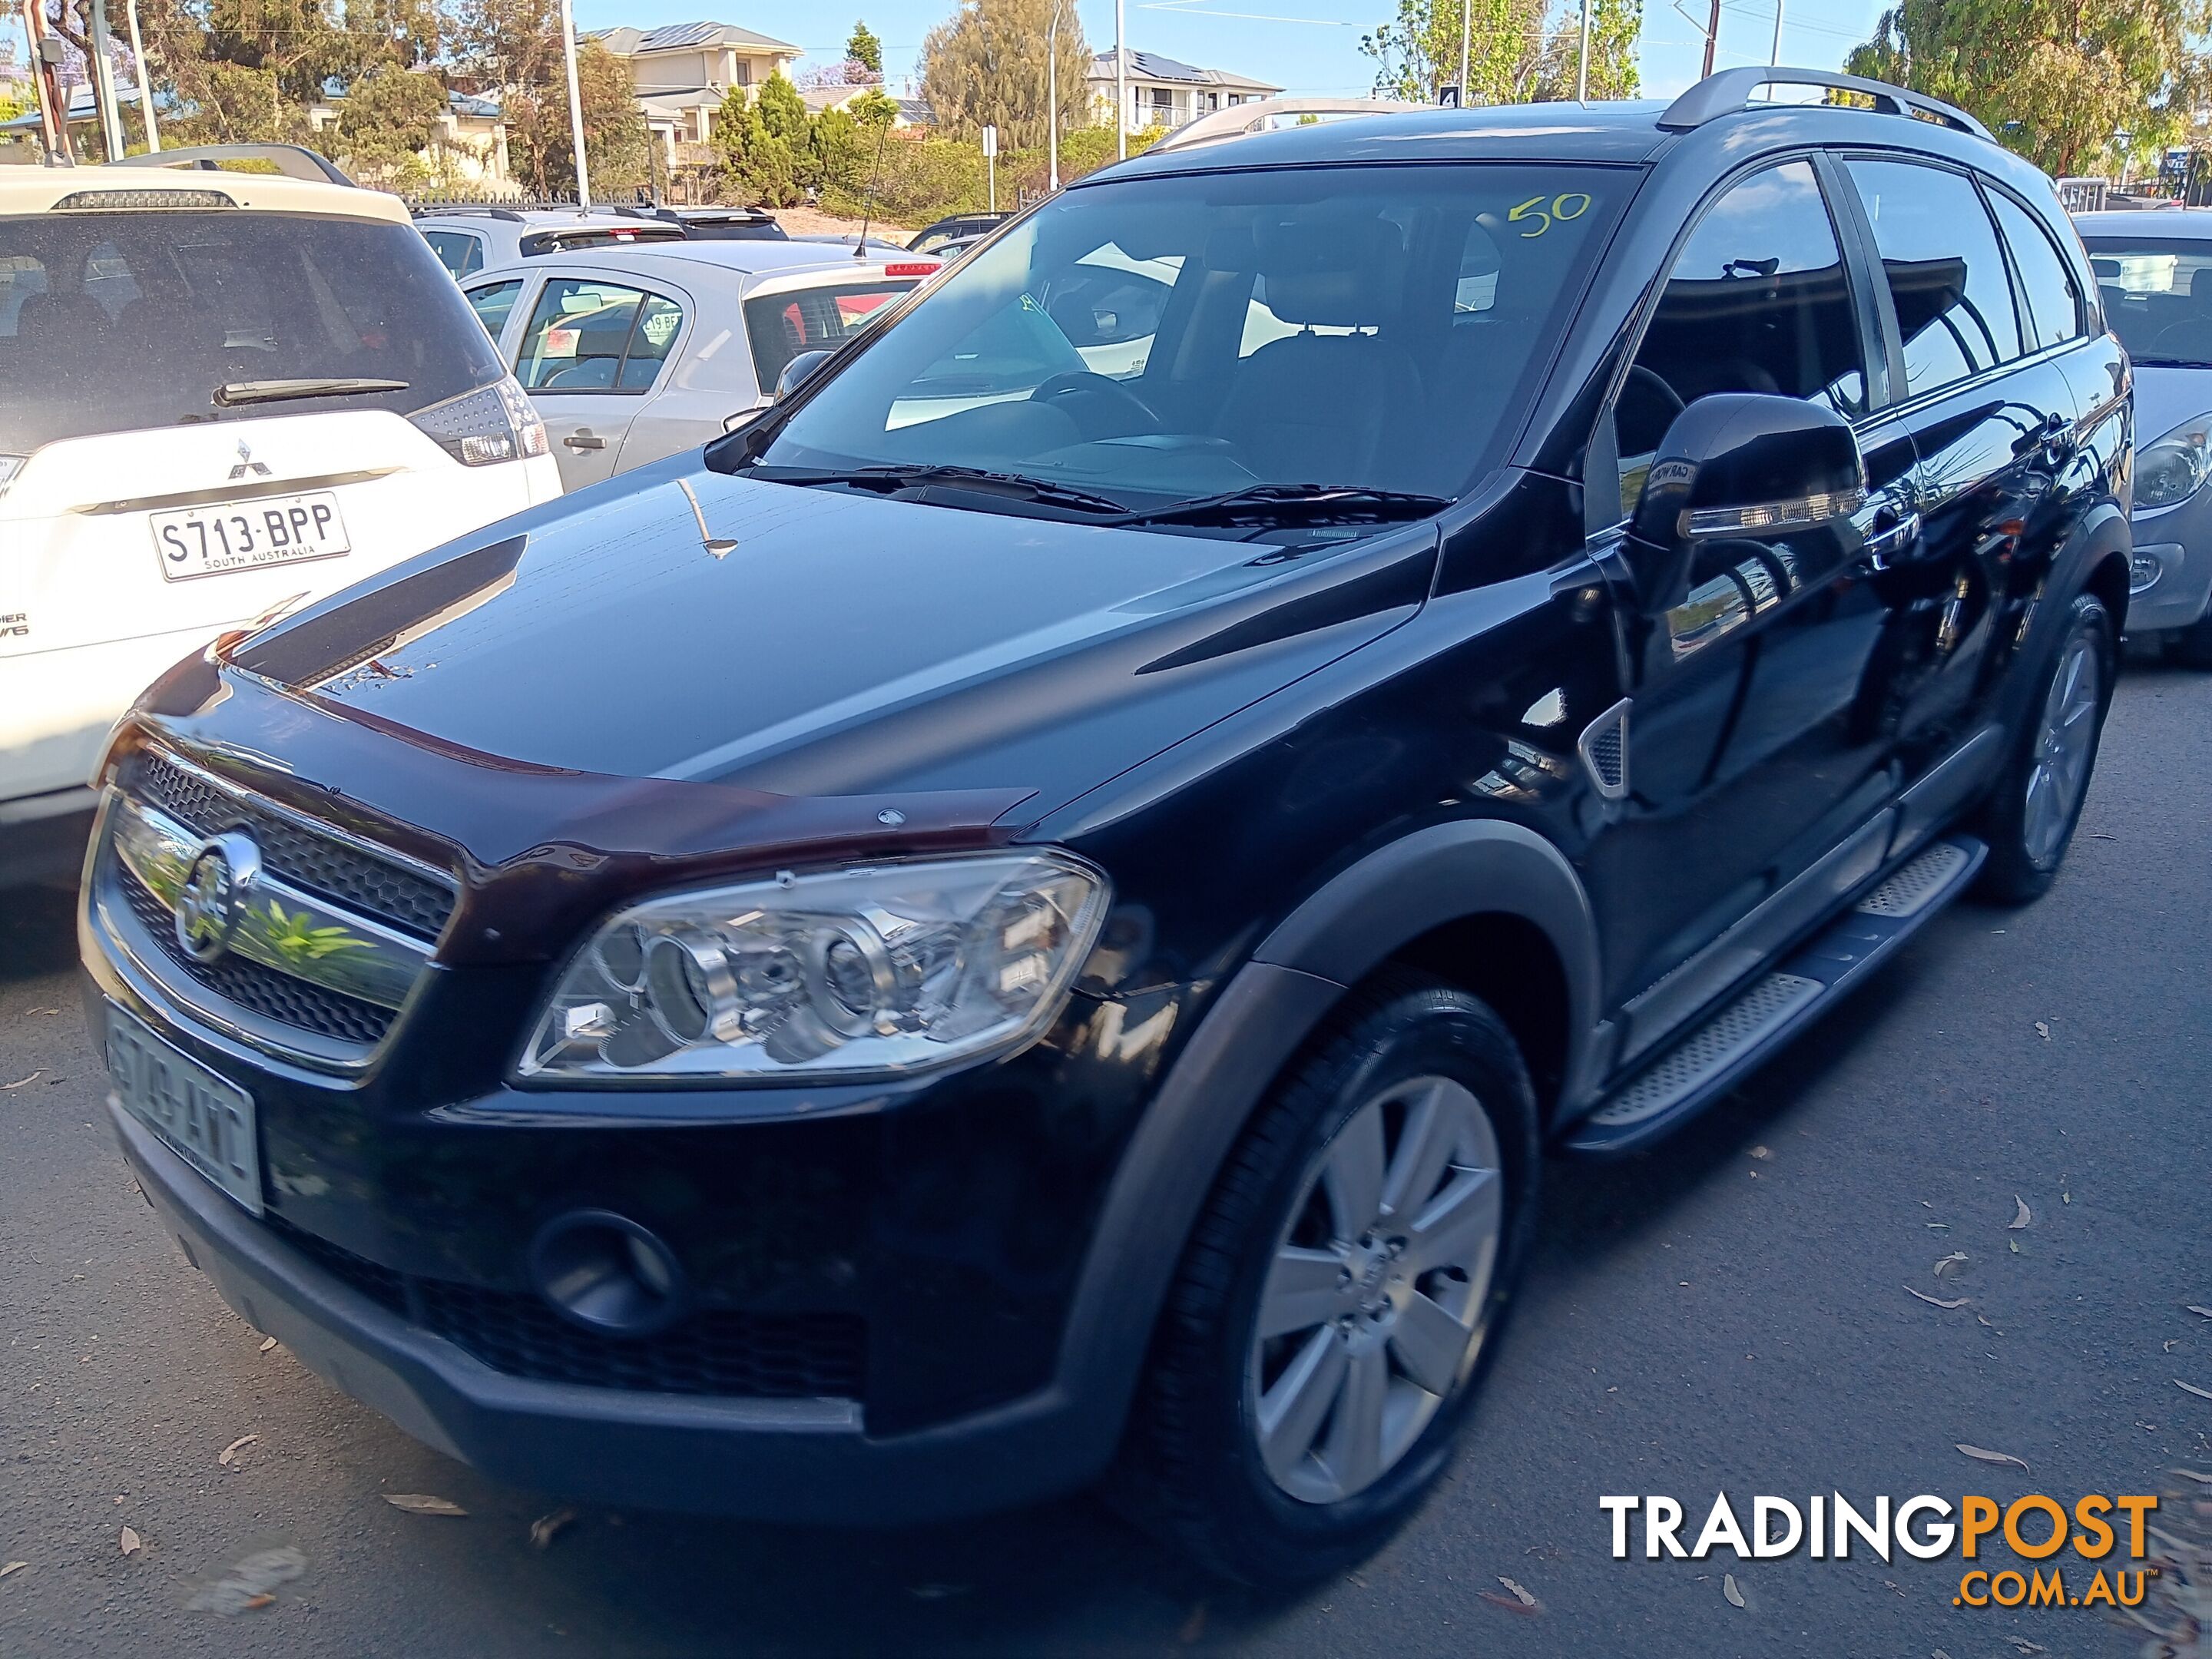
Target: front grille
{"points": [[336, 870], [262, 990], [716, 1350]]}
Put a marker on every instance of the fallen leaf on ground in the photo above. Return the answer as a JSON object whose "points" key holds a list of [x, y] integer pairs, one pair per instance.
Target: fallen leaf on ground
{"points": [[232, 1451], [247, 1585], [1511, 1604], [546, 1528], [2191, 1387], [12, 1566], [2024, 1644], [935, 1592], [2024, 1216], [1936, 1302], [1946, 1266], [1520, 1594], [21, 1081], [2013, 1244], [1729, 1589], [421, 1502], [1937, 1226], [130, 1542], [2197, 1475], [1939, 1654], [1192, 1627], [1984, 1455], [2042, 1030], [1762, 1152], [2193, 1308], [267, 1343]]}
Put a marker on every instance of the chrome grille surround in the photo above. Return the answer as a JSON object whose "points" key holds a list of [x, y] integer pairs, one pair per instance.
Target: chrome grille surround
{"points": [[301, 973]]}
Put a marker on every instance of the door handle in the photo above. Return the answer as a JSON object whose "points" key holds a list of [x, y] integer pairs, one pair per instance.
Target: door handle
{"points": [[1886, 545], [2057, 437], [583, 441]]}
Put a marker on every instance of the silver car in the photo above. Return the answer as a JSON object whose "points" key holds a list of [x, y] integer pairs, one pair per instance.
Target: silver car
{"points": [[467, 239], [635, 352], [2154, 270]]}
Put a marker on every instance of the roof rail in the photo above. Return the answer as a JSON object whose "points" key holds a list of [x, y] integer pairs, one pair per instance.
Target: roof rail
{"points": [[1239, 119], [1731, 89], [293, 161]]}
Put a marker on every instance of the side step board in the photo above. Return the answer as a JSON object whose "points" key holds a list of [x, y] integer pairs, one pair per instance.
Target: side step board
{"points": [[1747, 1030]]}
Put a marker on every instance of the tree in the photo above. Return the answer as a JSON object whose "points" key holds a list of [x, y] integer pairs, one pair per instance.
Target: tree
{"points": [[512, 50], [865, 50], [1518, 50], [388, 121], [758, 161], [986, 65], [2053, 79]]}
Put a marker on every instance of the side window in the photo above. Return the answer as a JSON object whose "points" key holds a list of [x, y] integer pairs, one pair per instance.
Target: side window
{"points": [[1758, 301], [492, 303], [1946, 279], [458, 251], [588, 335], [2054, 299]]}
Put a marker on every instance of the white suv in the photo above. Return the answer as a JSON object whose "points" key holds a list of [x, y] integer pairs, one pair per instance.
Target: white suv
{"points": [[221, 394]]}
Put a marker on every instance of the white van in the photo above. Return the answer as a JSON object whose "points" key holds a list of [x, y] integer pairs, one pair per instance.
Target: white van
{"points": [[221, 394]]}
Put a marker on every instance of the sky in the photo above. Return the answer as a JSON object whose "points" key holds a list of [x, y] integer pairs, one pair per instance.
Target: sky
{"points": [[1306, 46]]}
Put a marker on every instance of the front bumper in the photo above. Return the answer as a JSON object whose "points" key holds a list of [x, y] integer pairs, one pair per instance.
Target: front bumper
{"points": [[2170, 580], [794, 1460]]}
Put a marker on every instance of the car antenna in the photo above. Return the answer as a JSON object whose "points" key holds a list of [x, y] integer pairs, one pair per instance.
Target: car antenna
{"points": [[868, 203]]}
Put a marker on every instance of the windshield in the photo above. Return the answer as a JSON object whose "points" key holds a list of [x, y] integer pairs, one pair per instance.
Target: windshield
{"points": [[118, 321], [783, 324], [2157, 294], [1165, 338]]}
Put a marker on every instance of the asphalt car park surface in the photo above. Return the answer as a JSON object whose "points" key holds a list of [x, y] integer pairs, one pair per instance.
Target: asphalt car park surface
{"points": [[1728, 1311]]}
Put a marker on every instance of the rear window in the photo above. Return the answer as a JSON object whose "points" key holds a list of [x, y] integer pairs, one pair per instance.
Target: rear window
{"points": [[121, 321], [2157, 296], [810, 319]]}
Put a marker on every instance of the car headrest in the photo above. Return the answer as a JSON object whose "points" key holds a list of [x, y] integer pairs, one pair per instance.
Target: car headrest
{"points": [[1331, 271], [2104, 268], [2200, 285], [51, 319]]}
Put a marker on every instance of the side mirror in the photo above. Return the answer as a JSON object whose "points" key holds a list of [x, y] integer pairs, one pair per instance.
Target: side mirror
{"points": [[1740, 465], [800, 370]]}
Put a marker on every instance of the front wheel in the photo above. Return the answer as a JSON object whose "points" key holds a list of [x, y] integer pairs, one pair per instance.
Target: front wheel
{"points": [[2036, 803], [1338, 1298]]}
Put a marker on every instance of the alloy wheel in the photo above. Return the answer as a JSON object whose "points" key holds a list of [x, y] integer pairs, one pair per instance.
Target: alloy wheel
{"points": [[1371, 1311], [2060, 767]]}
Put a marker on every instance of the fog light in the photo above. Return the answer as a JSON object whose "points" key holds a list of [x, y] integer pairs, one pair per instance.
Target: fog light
{"points": [[608, 1274], [2144, 570]]}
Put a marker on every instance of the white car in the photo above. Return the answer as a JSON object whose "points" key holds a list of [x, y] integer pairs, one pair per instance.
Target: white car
{"points": [[221, 394], [466, 239], [641, 351]]}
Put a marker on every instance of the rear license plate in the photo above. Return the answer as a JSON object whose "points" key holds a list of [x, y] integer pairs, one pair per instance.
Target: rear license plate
{"points": [[227, 536], [207, 1121]]}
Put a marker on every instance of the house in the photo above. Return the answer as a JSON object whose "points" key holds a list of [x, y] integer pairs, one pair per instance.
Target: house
{"points": [[912, 112], [681, 72], [468, 144], [1163, 92]]}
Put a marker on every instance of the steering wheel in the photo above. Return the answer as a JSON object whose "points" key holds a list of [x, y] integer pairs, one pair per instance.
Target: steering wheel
{"points": [[1078, 389], [1655, 382]]}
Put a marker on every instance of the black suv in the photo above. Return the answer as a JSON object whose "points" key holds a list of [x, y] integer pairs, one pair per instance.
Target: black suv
{"points": [[1038, 907]]}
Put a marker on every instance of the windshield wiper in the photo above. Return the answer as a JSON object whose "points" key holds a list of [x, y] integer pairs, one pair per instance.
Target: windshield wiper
{"points": [[1294, 504], [231, 393], [888, 480]]}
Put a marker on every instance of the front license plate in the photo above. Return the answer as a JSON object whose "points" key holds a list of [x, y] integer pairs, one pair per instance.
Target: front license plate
{"points": [[226, 535], [206, 1120]]}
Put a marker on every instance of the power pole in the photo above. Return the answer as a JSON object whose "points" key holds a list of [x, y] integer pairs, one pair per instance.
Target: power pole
{"points": [[1052, 100], [576, 106], [1775, 61], [145, 81], [1582, 63], [1121, 85], [1712, 36], [1466, 34], [46, 81]]}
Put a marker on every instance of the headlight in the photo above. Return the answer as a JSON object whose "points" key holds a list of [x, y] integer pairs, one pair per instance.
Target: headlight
{"points": [[497, 422], [2172, 469], [888, 970]]}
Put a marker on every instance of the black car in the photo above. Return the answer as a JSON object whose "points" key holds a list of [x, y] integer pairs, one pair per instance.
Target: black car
{"points": [[959, 226], [1005, 922]]}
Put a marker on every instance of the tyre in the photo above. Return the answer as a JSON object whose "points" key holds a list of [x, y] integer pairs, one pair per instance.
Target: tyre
{"points": [[1340, 1292], [2032, 810]]}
